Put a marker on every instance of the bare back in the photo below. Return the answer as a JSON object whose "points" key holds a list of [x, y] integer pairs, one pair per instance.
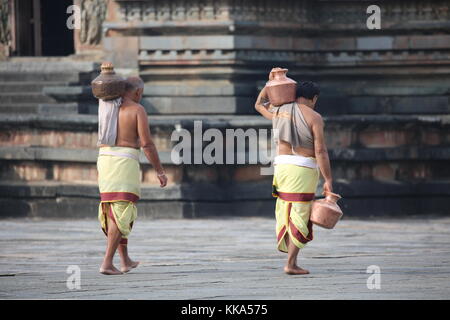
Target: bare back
{"points": [[127, 126]]}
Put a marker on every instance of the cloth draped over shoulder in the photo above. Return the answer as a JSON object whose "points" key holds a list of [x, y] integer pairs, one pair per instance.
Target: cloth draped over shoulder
{"points": [[108, 112], [290, 125]]}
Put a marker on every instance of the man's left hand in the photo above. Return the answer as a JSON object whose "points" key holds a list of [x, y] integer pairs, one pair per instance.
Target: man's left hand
{"points": [[162, 180]]}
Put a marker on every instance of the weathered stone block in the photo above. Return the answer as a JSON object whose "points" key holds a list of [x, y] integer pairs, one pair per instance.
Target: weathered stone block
{"points": [[198, 105], [384, 171], [174, 175], [374, 43], [372, 137], [123, 52], [74, 172], [429, 42], [247, 173], [190, 88]]}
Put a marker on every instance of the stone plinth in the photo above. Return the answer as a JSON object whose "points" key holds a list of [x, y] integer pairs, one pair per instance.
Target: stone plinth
{"points": [[385, 161]]}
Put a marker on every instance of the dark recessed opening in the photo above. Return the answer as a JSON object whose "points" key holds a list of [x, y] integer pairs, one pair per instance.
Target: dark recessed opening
{"points": [[41, 28], [57, 38]]}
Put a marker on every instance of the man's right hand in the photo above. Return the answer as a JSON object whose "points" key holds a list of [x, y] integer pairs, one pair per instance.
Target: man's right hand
{"points": [[327, 187]]}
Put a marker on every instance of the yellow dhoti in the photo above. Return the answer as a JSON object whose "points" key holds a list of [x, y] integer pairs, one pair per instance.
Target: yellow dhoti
{"points": [[294, 186], [119, 184]]}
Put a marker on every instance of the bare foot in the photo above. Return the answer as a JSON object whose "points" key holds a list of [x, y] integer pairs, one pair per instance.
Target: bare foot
{"points": [[110, 270], [129, 265], [295, 270]]}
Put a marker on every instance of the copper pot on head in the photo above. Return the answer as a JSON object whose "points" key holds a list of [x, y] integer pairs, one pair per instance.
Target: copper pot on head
{"points": [[326, 212], [281, 89], [108, 85]]}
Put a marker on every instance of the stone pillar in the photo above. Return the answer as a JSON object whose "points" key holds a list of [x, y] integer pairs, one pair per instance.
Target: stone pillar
{"points": [[5, 28], [89, 38]]}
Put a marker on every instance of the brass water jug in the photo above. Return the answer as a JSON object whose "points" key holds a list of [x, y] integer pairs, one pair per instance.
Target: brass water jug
{"points": [[108, 85]]}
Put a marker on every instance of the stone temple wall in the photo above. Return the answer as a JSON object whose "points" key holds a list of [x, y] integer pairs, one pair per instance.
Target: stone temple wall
{"points": [[385, 101], [228, 47]]}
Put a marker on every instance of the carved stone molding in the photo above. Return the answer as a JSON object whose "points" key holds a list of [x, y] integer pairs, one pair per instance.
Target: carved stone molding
{"points": [[93, 13], [283, 11], [5, 33], [302, 31], [192, 57], [207, 10]]}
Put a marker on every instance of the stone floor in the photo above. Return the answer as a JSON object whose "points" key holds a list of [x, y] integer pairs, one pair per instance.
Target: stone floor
{"points": [[231, 258]]}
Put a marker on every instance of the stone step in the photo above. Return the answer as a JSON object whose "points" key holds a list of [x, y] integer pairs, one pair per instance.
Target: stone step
{"points": [[24, 97], [70, 93], [20, 86], [372, 155], [363, 88], [198, 88], [199, 105], [73, 77], [29, 163], [38, 70], [32, 153], [332, 105], [207, 191], [360, 198], [341, 132], [44, 64], [40, 108]]}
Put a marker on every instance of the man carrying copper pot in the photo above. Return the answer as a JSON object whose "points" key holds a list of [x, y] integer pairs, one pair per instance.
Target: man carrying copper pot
{"points": [[301, 156]]}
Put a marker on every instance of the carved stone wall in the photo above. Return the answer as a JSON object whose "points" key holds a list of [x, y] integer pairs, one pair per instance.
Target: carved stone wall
{"points": [[230, 45], [89, 38], [93, 14], [4, 22], [314, 14], [5, 32]]}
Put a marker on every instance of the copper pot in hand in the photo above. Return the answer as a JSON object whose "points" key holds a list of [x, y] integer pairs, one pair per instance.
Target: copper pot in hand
{"points": [[326, 212], [280, 88], [108, 85]]}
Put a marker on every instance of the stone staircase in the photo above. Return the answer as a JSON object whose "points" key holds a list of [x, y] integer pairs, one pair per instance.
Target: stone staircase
{"points": [[27, 85]]}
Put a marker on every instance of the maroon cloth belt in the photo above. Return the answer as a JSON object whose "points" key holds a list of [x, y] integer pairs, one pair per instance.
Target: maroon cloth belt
{"points": [[118, 196], [295, 196]]}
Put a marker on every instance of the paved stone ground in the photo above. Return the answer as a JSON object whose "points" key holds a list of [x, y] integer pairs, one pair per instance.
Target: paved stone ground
{"points": [[227, 259]]}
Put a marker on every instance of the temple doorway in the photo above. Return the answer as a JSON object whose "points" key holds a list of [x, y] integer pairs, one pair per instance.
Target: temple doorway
{"points": [[40, 28]]}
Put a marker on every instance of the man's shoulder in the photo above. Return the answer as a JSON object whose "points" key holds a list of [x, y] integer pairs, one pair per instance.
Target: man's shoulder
{"points": [[313, 117], [133, 106], [313, 114]]}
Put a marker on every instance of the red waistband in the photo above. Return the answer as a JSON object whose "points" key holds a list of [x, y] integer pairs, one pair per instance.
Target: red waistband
{"points": [[118, 196], [286, 196]]}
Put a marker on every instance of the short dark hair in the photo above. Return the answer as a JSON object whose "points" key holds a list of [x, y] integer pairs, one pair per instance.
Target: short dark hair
{"points": [[133, 83], [307, 89]]}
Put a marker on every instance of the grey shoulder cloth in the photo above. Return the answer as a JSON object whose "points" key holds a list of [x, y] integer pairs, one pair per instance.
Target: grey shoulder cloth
{"points": [[108, 112], [290, 126]]}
